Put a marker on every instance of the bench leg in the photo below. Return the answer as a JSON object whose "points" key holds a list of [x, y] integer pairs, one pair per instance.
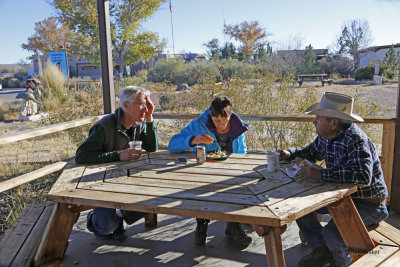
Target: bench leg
{"points": [[55, 239], [351, 227], [300, 83], [323, 83], [273, 243]]}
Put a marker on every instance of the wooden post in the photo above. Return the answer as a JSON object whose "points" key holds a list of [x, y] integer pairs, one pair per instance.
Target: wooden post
{"points": [[388, 133], [103, 14], [395, 188]]}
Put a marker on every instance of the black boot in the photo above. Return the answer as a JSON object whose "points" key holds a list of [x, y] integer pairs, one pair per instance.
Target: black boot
{"points": [[201, 231], [235, 232], [319, 257]]}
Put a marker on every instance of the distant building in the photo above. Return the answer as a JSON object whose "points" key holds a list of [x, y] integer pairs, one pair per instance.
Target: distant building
{"points": [[295, 56], [376, 52], [188, 57]]}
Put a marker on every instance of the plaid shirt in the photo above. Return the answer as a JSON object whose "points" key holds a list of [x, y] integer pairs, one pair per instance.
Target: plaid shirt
{"points": [[350, 158]]}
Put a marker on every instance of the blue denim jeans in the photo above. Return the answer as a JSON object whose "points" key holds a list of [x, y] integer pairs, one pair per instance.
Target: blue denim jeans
{"points": [[329, 235], [105, 221]]}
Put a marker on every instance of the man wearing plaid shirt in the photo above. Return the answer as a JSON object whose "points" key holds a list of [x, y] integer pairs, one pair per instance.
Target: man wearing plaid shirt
{"points": [[350, 157]]}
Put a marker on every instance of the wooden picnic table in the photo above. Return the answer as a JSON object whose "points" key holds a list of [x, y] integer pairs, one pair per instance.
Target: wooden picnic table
{"points": [[239, 189], [324, 78]]}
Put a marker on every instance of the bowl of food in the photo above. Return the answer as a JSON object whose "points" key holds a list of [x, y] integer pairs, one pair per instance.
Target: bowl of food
{"points": [[217, 155]]}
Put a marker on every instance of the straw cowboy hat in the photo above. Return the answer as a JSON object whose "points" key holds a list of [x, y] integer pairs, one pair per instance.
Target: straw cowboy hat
{"points": [[336, 106]]}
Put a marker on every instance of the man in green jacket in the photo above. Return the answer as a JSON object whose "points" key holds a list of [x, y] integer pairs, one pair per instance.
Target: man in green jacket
{"points": [[109, 141]]}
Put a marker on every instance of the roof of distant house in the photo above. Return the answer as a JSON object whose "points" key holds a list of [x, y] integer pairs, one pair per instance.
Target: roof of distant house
{"points": [[376, 48]]}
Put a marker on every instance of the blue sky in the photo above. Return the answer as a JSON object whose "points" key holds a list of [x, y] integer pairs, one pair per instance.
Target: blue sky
{"points": [[195, 22]]}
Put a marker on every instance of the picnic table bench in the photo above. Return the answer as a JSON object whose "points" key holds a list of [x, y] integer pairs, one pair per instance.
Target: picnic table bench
{"points": [[324, 78]]}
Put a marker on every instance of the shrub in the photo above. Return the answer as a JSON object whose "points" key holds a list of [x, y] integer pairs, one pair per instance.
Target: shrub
{"points": [[336, 64], [198, 71], [364, 73], [165, 70], [53, 81], [230, 68]]}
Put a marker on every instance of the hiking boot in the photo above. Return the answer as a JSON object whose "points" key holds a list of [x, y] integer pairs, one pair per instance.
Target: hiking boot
{"points": [[119, 233], [235, 232], [319, 257], [201, 232]]}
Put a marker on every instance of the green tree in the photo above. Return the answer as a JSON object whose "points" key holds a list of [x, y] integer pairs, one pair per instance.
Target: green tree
{"points": [[213, 49], [49, 35], [309, 63], [126, 19], [392, 62], [262, 53], [250, 34], [355, 35], [228, 51]]}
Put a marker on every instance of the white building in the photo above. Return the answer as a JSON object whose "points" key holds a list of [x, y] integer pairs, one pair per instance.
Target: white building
{"points": [[376, 52]]}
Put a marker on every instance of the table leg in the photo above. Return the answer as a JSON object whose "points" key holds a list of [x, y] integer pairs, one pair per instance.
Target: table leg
{"points": [[150, 220], [273, 243], [55, 239], [351, 227]]}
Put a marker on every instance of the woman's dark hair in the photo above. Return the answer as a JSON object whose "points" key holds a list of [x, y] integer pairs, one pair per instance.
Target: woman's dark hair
{"points": [[221, 106]]}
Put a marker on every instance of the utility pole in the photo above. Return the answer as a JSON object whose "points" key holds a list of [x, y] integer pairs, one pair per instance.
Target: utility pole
{"points": [[172, 28]]}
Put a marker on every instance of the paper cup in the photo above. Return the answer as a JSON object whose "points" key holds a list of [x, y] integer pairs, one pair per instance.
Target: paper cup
{"points": [[272, 161], [135, 144]]}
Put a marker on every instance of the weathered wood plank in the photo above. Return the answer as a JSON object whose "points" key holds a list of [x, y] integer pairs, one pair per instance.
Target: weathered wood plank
{"points": [[55, 238], [219, 198], [193, 168], [351, 227], [165, 205], [392, 261], [92, 175], [381, 239], [227, 164], [69, 178], [28, 177], [273, 247], [191, 177], [23, 238], [388, 135], [183, 185], [389, 232], [31, 244], [14, 137], [377, 256], [281, 193], [296, 206]]}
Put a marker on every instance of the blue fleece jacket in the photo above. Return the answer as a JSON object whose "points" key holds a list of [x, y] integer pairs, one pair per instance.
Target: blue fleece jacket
{"points": [[181, 141]]}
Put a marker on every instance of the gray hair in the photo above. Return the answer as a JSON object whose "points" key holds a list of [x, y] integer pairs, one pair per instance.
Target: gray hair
{"points": [[129, 93], [344, 124]]}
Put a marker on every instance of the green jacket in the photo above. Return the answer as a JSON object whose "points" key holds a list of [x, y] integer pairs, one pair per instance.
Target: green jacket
{"points": [[107, 137]]}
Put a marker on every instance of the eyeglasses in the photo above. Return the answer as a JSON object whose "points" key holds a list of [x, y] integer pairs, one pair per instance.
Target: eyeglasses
{"points": [[142, 105]]}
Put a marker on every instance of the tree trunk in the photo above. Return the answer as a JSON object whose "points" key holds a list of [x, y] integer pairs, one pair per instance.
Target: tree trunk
{"points": [[122, 59]]}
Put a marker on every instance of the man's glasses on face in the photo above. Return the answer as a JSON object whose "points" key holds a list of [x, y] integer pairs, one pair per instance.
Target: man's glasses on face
{"points": [[141, 105]]}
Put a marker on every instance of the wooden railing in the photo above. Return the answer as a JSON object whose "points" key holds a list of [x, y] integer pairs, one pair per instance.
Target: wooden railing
{"points": [[387, 153]]}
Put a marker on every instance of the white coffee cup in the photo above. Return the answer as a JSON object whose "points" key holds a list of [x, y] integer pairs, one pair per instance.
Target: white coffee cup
{"points": [[272, 161], [135, 144]]}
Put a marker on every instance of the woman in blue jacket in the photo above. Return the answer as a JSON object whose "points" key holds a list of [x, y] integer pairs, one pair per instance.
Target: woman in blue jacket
{"points": [[217, 128]]}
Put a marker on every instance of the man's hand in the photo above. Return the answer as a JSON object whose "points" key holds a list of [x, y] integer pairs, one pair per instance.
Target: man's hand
{"points": [[283, 154], [308, 172], [150, 108], [202, 139], [130, 154]]}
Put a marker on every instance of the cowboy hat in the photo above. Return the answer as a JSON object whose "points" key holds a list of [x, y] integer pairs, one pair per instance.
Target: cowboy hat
{"points": [[336, 106]]}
